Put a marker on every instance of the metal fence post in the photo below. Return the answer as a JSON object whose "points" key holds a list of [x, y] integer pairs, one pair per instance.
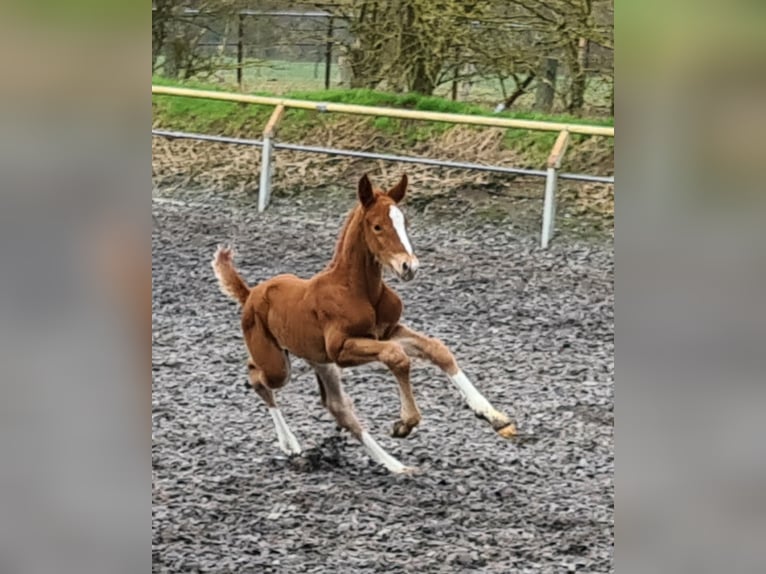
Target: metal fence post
{"points": [[549, 207], [264, 190], [551, 183]]}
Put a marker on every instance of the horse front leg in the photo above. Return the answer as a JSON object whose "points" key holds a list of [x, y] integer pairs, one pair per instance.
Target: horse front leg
{"points": [[433, 350], [356, 351]]}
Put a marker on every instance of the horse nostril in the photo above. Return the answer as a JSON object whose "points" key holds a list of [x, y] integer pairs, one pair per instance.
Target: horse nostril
{"points": [[405, 267]]}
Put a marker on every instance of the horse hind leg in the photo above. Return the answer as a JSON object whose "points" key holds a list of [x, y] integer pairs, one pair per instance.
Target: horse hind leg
{"points": [[335, 400], [259, 381], [340, 406], [269, 369]]}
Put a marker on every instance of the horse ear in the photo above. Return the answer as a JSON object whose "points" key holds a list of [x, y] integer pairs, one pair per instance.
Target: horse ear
{"points": [[397, 192], [366, 195]]}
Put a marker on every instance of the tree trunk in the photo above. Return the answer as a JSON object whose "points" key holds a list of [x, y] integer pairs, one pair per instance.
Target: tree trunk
{"points": [[158, 39], [421, 82], [546, 86], [346, 75], [168, 36], [363, 69], [171, 67], [415, 53], [160, 20], [455, 72], [579, 78], [520, 90]]}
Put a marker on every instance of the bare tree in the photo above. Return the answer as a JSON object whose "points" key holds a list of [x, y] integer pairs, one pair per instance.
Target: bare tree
{"points": [[178, 27], [568, 27], [371, 26], [163, 14], [418, 45], [403, 44]]}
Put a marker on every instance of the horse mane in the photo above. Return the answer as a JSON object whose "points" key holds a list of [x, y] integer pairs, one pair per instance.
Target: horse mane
{"points": [[341, 241]]}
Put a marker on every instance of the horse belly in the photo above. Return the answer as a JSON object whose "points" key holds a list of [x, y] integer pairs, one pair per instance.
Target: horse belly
{"points": [[292, 320], [305, 339]]}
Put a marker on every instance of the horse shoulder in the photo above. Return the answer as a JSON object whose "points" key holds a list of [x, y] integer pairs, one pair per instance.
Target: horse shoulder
{"points": [[389, 309], [337, 309]]}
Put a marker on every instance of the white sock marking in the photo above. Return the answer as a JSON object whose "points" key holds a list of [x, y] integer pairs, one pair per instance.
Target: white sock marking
{"points": [[380, 456], [397, 217], [473, 397], [287, 440]]}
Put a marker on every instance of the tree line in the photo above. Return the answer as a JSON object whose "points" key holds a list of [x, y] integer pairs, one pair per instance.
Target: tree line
{"points": [[549, 47]]}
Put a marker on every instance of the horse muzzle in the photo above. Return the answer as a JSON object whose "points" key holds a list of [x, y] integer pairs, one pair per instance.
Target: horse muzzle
{"points": [[406, 267]]}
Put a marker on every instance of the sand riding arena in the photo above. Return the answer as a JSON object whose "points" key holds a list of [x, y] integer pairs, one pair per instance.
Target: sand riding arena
{"points": [[533, 328]]}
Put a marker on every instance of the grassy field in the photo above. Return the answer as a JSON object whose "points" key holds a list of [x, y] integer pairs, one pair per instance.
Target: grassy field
{"points": [[281, 77], [232, 118]]}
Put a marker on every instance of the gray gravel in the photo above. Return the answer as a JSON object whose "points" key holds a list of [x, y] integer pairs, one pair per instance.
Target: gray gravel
{"points": [[533, 329]]}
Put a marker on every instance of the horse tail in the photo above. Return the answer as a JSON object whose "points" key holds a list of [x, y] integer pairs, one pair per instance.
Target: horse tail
{"points": [[229, 279]]}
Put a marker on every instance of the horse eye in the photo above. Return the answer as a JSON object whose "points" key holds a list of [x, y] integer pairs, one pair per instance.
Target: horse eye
{"points": [[378, 228]]}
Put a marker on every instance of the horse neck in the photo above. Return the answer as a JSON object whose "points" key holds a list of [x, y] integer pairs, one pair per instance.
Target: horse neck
{"points": [[353, 262]]}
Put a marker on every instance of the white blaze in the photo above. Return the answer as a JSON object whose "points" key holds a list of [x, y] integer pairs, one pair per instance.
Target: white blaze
{"points": [[397, 217]]}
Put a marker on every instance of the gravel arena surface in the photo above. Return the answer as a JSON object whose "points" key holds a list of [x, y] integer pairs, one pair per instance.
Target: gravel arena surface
{"points": [[533, 329]]}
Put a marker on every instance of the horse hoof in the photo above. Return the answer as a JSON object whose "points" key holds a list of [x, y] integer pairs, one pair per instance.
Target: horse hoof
{"points": [[400, 430], [508, 431]]}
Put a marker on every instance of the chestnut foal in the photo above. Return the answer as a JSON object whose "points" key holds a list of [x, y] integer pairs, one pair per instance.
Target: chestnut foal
{"points": [[342, 317]]}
